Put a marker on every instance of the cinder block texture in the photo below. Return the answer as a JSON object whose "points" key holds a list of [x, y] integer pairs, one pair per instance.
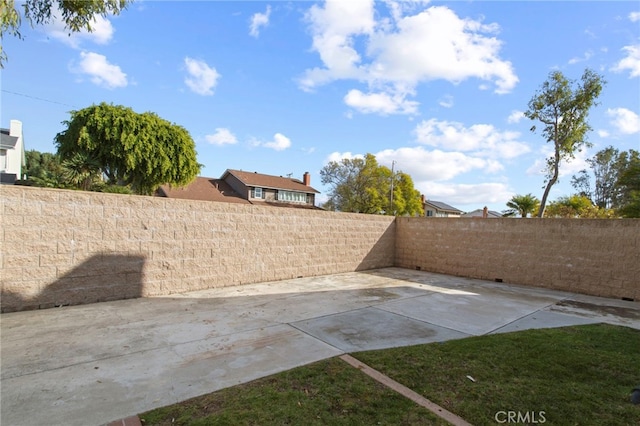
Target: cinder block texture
{"points": [[62, 247], [591, 256]]}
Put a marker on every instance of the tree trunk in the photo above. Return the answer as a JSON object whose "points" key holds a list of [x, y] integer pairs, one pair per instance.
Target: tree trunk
{"points": [[552, 181]]}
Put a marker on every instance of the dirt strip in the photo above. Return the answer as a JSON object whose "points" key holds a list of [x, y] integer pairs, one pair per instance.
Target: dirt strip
{"points": [[405, 391]]}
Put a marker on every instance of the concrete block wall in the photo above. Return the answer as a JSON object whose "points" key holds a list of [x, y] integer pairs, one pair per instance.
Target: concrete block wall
{"points": [[590, 256], [62, 247]]}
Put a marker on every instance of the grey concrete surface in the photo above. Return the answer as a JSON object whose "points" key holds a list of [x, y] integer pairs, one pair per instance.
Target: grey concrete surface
{"points": [[93, 364]]}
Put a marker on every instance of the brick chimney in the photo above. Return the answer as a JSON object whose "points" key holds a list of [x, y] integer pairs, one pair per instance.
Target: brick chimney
{"points": [[485, 212], [306, 178]]}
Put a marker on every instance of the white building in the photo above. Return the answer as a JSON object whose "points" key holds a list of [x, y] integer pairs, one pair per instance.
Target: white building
{"points": [[12, 158]]}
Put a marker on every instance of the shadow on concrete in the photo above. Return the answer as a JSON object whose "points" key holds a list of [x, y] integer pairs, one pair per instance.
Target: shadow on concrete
{"points": [[107, 361], [101, 278]]}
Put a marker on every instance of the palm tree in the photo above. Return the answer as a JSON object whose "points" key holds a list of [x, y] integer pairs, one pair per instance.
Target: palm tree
{"points": [[81, 170], [522, 205]]}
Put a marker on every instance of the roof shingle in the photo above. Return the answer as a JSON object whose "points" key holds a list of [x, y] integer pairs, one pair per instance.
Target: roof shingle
{"points": [[439, 205], [203, 188], [267, 181]]}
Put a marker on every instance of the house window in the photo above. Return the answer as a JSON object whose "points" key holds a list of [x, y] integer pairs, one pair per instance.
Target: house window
{"points": [[257, 193], [3, 159], [292, 197], [429, 213]]}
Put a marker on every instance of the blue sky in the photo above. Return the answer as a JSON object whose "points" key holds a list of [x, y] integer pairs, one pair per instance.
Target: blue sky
{"points": [[284, 87]]}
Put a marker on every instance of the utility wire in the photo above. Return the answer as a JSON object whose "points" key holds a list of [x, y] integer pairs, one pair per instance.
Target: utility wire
{"points": [[39, 99]]}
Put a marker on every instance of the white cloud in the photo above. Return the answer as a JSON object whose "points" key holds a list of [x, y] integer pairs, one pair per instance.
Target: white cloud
{"points": [[624, 120], [102, 31], [380, 103], [587, 55], [338, 156], [425, 165], [310, 150], [279, 143], [259, 20], [437, 44], [446, 101], [401, 52], [201, 77], [603, 134], [459, 195], [568, 167], [334, 27], [100, 71], [631, 62], [221, 137], [482, 139], [430, 171], [515, 116], [634, 16]]}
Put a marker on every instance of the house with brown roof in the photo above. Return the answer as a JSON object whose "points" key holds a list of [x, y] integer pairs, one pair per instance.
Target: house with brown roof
{"points": [[238, 186], [203, 188]]}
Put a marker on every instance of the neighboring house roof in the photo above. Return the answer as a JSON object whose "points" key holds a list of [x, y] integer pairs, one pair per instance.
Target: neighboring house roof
{"points": [[7, 141], [443, 207], [210, 189], [203, 188], [478, 213], [259, 180]]}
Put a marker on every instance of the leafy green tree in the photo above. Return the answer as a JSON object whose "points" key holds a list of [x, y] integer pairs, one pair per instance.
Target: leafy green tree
{"points": [[43, 169], [563, 111], [406, 199], [629, 183], [77, 15], [361, 185], [601, 182], [142, 151], [523, 205], [354, 185], [577, 206]]}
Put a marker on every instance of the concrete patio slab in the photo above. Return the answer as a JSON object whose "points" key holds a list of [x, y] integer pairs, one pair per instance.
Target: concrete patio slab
{"points": [[97, 391], [479, 310], [544, 319], [93, 364], [612, 311], [373, 328]]}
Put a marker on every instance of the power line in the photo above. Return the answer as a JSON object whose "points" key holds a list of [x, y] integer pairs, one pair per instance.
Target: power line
{"points": [[39, 99]]}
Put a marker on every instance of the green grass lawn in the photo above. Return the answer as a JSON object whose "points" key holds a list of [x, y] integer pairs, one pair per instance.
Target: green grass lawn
{"points": [[565, 376]]}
